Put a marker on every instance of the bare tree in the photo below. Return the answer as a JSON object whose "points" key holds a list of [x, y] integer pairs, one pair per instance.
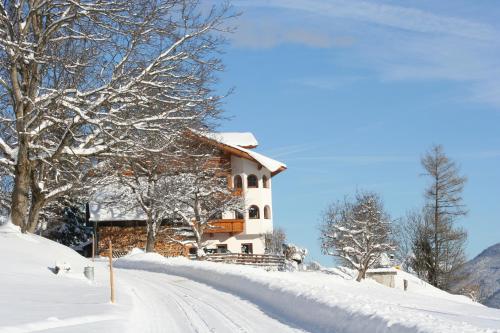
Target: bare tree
{"points": [[275, 240], [81, 77], [444, 206], [357, 232], [148, 180], [411, 236], [204, 194]]}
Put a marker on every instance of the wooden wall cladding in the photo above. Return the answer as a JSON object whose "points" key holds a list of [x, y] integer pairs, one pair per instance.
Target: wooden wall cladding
{"points": [[127, 238]]}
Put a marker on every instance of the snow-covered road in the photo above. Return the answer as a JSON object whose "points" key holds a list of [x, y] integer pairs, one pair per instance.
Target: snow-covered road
{"points": [[168, 303]]}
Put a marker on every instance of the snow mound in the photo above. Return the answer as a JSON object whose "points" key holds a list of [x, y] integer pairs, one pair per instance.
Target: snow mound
{"points": [[34, 298], [322, 302]]}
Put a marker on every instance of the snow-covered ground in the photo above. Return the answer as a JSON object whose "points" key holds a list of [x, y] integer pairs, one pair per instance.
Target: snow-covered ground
{"points": [[320, 302], [34, 299], [155, 294]]}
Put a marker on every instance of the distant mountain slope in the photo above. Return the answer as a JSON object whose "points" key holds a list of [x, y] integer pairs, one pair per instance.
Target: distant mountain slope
{"points": [[484, 270], [493, 301]]}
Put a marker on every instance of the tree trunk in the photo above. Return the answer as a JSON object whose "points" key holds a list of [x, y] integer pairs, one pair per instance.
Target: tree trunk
{"points": [[436, 232], [361, 275], [37, 203], [151, 237], [20, 192]]}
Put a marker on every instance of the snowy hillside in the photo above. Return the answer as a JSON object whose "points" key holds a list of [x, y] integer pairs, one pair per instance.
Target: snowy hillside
{"points": [[484, 270], [320, 302], [155, 294], [33, 298]]}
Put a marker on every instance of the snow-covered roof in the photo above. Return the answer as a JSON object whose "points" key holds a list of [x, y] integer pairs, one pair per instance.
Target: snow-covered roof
{"points": [[241, 139], [114, 203], [102, 212], [229, 141]]}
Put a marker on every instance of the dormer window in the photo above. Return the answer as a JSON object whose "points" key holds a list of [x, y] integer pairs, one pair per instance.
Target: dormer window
{"points": [[252, 181]]}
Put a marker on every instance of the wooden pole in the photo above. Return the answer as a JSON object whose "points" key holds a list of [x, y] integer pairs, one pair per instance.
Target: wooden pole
{"points": [[111, 278], [93, 247]]}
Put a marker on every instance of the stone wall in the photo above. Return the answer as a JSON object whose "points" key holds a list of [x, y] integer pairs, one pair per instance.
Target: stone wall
{"points": [[387, 278]]}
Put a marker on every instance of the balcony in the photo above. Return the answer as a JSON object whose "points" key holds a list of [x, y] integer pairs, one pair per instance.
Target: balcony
{"points": [[234, 226]]}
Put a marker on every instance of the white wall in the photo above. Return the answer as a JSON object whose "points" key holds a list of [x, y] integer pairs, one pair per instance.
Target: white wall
{"points": [[254, 228]]}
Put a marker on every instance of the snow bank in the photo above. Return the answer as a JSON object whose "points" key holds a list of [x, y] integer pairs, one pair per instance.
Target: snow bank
{"points": [[321, 302], [33, 298]]}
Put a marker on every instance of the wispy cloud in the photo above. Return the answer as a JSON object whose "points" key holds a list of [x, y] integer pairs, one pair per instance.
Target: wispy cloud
{"points": [[284, 151], [267, 32], [396, 43], [479, 155], [358, 159], [367, 159], [327, 83], [387, 15]]}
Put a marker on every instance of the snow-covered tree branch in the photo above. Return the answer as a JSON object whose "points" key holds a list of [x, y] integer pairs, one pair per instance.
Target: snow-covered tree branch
{"points": [[83, 78], [357, 232]]}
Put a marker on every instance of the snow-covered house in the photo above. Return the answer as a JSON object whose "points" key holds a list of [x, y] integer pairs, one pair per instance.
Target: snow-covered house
{"points": [[250, 175]]}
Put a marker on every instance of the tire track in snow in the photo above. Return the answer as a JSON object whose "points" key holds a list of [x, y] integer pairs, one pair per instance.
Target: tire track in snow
{"points": [[199, 319], [169, 303], [238, 327]]}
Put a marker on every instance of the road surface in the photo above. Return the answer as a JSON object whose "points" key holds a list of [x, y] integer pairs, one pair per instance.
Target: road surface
{"points": [[167, 303]]}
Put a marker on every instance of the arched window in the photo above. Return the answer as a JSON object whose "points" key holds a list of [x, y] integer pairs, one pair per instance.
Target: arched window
{"points": [[267, 212], [238, 182], [253, 212], [265, 182], [252, 181], [238, 215]]}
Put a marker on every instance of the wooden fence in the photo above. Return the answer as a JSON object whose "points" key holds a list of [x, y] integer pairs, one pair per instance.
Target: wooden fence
{"points": [[259, 260]]}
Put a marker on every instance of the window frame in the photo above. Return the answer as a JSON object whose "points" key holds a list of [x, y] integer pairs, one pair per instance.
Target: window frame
{"points": [[257, 209], [238, 215], [256, 181], [249, 247], [267, 212], [220, 247], [236, 183], [265, 182]]}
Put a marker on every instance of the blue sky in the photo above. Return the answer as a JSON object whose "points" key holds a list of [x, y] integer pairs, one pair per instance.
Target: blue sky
{"points": [[350, 94]]}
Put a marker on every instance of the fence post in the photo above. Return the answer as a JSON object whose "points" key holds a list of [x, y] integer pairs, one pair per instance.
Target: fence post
{"points": [[93, 247], [111, 277]]}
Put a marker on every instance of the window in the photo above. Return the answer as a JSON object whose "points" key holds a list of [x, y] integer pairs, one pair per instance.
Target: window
{"points": [[253, 212], [216, 216], [238, 182], [267, 212], [247, 248], [238, 215], [222, 248], [265, 182], [252, 181]]}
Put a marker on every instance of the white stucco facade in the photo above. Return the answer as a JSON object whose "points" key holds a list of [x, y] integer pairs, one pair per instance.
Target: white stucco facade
{"points": [[260, 196]]}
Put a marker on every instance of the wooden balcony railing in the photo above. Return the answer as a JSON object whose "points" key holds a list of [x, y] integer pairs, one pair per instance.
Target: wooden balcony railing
{"points": [[226, 225]]}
